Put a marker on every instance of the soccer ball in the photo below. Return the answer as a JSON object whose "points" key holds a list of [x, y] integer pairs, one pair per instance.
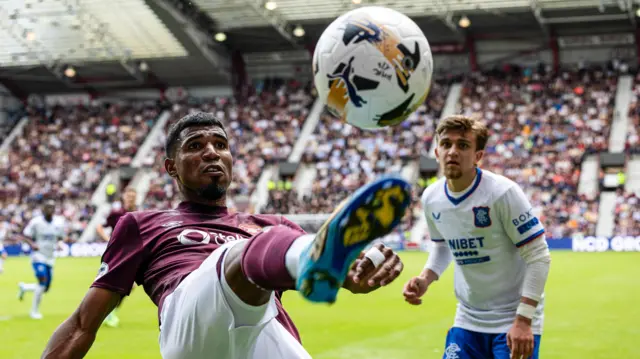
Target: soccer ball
{"points": [[372, 67]]}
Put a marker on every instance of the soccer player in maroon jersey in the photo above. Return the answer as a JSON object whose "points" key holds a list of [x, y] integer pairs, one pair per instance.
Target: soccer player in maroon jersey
{"points": [[128, 205], [217, 277]]}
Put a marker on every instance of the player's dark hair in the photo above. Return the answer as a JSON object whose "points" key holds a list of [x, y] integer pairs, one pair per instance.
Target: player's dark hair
{"points": [[464, 124], [198, 119]]}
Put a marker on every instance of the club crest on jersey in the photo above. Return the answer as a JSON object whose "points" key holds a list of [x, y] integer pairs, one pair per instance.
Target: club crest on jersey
{"points": [[104, 268], [172, 224], [481, 217], [250, 228]]}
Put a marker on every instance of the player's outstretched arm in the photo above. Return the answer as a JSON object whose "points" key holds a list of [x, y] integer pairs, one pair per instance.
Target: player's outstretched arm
{"points": [[101, 233], [74, 336]]}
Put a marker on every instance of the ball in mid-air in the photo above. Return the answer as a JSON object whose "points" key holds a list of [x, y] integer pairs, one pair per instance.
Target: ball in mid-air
{"points": [[372, 67]]}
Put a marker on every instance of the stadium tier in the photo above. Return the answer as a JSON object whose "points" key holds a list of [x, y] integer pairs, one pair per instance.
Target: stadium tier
{"points": [[541, 128], [63, 153], [262, 130]]}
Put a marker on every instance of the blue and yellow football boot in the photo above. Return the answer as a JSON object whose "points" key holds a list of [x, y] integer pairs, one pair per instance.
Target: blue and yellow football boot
{"points": [[372, 212]]}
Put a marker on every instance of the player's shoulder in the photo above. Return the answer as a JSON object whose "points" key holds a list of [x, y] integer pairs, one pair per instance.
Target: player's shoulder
{"points": [[254, 223], [117, 211], [263, 219], [496, 184], [154, 217], [36, 220], [433, 193]]}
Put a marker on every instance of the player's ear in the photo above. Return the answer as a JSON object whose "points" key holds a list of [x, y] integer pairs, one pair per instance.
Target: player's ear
{"points": [[479, 156], [437, 154], [170, 167]]}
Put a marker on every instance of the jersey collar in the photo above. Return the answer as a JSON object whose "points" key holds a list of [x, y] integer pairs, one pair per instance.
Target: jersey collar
{"points": [[476, 183], [198, 208]]}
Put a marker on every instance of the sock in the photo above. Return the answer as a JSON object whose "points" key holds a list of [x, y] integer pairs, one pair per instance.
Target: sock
{"points": [[1, 264], [30, 287], [263, 258], [37, 297], [292, 258]]}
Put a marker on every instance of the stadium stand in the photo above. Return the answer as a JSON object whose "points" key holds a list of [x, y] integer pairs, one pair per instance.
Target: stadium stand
{"points": [[347, 157], [262, 130], [627, 214], [63, 153], [541, 127], [633, 131]]}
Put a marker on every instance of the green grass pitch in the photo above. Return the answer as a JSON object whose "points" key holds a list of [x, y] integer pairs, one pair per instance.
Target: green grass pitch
{"points": [[591, 313]]}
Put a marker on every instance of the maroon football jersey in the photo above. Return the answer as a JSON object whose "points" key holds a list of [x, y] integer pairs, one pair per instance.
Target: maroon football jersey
{"points": [[158, 249], [113, 217]]}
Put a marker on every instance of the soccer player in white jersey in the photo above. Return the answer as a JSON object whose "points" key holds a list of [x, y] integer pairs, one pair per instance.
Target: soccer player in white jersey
{"points": [[42, 234], [484, 223]]}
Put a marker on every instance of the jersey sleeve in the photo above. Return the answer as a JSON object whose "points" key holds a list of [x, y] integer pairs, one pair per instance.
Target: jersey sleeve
{"points": [[516, 214], [111, 220], [122, 258], [434, 234], [29, 230], [292, 225]]}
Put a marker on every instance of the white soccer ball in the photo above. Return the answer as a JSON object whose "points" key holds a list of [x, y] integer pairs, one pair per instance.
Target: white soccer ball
{"points": [[372, 67]]}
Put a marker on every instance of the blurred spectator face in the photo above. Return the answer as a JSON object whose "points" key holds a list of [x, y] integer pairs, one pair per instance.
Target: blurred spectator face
{"points": [[129, 199], [457, 155]]}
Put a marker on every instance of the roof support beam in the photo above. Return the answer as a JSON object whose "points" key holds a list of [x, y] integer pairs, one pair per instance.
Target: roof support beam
{"points": [[631, 13], [585, 19], [273, 18], [537, 13], [194, 39]]}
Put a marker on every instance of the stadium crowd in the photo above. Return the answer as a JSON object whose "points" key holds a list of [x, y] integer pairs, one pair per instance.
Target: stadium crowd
{"points": [[347, 157], [627, 214], [63, 153], [633, 130], [262, 130], [541, 127]]}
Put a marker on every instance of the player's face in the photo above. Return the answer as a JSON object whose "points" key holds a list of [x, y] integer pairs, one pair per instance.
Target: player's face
{"points": [[202, 163], [129, 200], [456, 153], [48, 210]]}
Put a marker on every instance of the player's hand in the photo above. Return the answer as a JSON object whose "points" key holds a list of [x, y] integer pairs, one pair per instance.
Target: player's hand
{"points": [[520, 339], [415, 288], [35, 247], [364, 277]]}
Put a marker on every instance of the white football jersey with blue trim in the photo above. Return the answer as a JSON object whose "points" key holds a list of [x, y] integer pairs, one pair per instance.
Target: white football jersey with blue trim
{"points": [[483, 228], [45, 235]]}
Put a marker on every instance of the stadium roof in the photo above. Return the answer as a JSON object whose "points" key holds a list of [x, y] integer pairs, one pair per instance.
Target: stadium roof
{"points": [[108, 41], [33, 32], [249, 24]]}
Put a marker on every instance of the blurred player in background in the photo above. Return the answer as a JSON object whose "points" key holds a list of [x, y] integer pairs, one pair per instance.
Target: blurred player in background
{"points": [[128, 205], [42, 233], [4, 233], [484, 221], [217, 277]]}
